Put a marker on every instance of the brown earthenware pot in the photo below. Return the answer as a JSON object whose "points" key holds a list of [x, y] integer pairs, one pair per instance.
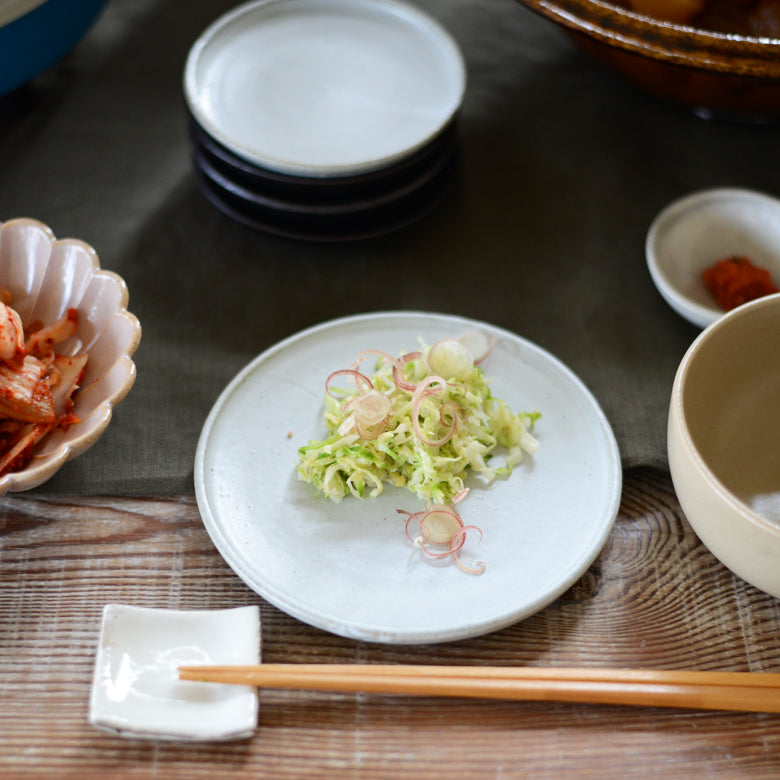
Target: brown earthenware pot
{"points": [[717, 74]]}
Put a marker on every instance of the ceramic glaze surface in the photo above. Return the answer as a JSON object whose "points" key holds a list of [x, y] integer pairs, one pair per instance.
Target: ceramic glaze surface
{"points": [[724, 425], [700, 229], [35, 34], [46, 277], [136, 689], [324, 87], [716, 74]]}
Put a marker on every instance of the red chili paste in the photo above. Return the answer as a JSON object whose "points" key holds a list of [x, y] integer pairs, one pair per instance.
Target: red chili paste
{"points": [[736, 280]]}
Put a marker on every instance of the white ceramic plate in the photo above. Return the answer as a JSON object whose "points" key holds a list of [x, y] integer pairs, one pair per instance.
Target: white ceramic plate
{"points": [[136, 690], [696, 231], [348, 568], [324, 87]]}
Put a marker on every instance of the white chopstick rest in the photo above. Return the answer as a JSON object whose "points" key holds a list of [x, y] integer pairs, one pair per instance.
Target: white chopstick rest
{"points": [[136, 691]]}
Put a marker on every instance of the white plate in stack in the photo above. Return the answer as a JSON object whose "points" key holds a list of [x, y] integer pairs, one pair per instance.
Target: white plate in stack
{"points": [[324, 118]]}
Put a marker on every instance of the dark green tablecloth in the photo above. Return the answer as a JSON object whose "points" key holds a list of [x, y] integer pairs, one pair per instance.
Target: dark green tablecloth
{"points": [[562, 167]]}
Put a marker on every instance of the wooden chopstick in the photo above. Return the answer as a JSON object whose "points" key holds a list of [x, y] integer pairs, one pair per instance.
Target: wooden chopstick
{"points": [[745, 691]]}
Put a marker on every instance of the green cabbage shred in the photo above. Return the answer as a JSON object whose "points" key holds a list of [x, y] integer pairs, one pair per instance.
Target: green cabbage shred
{"points": [[344, 464]]}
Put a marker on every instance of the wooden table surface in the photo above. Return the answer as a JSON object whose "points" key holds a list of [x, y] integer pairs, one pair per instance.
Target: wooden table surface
{"points": [[654, 598]]}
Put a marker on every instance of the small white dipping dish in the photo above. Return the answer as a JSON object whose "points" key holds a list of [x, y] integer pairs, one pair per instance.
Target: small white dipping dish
{"points": [[136, 690], [697, 231], [724, 440]]}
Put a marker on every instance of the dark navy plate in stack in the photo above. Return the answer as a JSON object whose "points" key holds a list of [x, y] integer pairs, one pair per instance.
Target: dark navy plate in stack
{"points": [[324, 119]]}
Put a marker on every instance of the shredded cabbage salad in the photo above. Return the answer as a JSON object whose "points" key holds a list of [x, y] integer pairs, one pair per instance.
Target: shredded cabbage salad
{"points": [[425, 420]]}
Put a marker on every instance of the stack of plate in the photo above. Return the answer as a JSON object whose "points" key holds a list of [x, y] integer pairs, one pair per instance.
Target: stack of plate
{"points": [[324, 119]]}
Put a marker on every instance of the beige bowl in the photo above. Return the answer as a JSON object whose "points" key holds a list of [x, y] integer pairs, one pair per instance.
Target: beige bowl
{"points": [[724, 440]]}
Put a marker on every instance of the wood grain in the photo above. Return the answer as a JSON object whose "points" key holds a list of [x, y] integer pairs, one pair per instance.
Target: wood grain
{"points": [[655, 598]]}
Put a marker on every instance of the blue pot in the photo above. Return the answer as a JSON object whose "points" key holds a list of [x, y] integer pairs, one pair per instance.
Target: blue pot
{"points": [[33, 42]]}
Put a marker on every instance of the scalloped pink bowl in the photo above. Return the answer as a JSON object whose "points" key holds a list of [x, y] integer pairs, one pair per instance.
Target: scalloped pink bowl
{"points": [[46, 276]]}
